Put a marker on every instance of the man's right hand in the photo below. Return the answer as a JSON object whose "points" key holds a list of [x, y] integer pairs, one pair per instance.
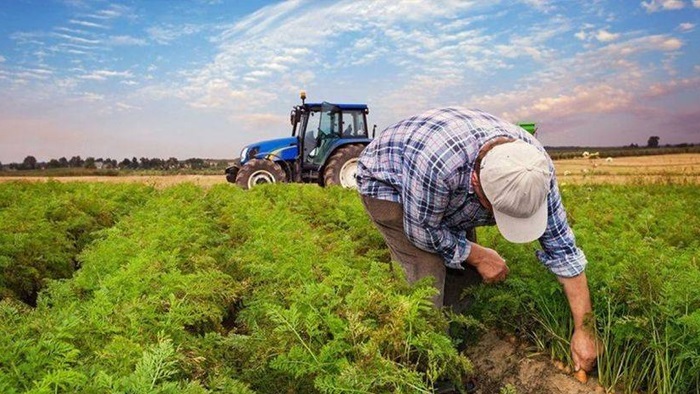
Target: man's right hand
{"points": [[488, 263]]}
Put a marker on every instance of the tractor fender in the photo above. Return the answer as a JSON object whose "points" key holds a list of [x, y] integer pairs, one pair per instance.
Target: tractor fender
{"points": [[342, 142]]}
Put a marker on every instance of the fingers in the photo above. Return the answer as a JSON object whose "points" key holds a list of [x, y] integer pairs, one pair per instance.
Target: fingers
{"points": [[583, 352], [587, 365], [500, 276]]}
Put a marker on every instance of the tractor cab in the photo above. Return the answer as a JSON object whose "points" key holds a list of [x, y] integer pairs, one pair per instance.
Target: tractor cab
{"points": [[326, 141], [323, 127]]}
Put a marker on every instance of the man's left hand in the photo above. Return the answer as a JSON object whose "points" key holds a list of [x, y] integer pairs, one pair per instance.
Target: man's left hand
{"points": [[583, 349]]}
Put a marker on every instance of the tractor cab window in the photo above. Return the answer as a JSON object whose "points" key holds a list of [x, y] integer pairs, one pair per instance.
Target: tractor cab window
{"points": [[354, 124], [321, 133], [329, 123], [310, 135]]}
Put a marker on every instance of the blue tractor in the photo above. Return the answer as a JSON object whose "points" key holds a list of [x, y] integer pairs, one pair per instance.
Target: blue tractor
{"points": [[326, 141]]}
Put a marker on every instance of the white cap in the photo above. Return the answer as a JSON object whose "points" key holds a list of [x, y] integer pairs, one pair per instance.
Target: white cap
{"points": [[515, 177]]}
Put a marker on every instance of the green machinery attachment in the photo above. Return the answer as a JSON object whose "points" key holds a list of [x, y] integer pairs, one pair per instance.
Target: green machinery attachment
{"points": [[529, 127]]}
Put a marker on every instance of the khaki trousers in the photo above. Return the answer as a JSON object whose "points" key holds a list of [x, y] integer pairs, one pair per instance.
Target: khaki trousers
{"points": [[417, 263]]}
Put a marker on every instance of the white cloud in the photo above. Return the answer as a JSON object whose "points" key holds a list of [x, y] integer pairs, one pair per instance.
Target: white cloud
{"points": [[2, 59], [542, 5], [126, 41], [599, 81], [76, 52], [419, 40], [606, 36], [101, 75], [33, 74], [90, 97], [166, 33], [686, 27], [581, 35], [72, 31], [126, 107], [87, 24], [644, 44], [663, 5], [696, 3], [112, 12], [80, 40]]}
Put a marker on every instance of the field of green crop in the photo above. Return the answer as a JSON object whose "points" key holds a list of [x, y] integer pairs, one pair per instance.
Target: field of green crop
{"points": [[286, 289]]}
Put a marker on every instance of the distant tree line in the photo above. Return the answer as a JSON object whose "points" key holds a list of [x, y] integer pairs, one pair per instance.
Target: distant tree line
{"points": [[144, 163], [652, 148]]}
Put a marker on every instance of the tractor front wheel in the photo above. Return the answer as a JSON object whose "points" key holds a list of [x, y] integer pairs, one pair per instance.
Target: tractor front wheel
{"points": [[342, 167], [260, 171], [232, 171]]}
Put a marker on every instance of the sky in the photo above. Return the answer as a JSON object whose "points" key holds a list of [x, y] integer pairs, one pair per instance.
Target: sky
{"points": [[204, 78]]}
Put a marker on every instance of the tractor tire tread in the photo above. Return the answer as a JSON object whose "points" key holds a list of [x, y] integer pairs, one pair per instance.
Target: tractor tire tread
{"points": [[331, 172], [249, 168]]}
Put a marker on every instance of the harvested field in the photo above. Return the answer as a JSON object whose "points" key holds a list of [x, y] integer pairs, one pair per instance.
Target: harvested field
{"points": [[680, 168]]}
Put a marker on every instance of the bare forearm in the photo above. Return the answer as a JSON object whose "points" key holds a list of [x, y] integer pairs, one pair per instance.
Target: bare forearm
{"points": [[576, 290]]}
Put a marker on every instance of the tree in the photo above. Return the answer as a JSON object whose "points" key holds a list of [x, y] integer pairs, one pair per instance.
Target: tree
{"points": [[53, 163], [29, 163], [156, 163], [63, 162], [653, 142], [75, 162], [89, 162], [172, 163], [195, 163]]}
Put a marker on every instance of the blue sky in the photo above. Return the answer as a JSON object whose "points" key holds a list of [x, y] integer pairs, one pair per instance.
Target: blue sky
{"points": [[203, 78]]}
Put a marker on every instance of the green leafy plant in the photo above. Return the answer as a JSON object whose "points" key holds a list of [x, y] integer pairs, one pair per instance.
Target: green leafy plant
{"points": [[286, 288]]}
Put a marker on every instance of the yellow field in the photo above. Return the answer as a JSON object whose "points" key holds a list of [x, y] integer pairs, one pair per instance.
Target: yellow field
{"points": [[676, 168]]}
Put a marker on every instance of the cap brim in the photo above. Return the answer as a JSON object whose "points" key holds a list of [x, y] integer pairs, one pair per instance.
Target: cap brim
{"points": [[522, 230]]}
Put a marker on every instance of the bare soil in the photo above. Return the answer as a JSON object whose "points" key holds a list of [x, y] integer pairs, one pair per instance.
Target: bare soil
{"points": [[499, 362]]}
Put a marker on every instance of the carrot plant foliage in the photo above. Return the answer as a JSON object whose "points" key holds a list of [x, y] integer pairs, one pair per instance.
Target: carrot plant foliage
{"points": [[286, 289], [643, 249], [281, 289], [43, 227]]}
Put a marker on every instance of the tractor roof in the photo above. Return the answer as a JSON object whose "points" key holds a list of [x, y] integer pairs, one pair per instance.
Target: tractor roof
{"points": [[350, 107]]}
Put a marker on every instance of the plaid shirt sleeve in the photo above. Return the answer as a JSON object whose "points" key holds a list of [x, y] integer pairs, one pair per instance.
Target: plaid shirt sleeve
{"points": [[560, 253], [426, 194]]}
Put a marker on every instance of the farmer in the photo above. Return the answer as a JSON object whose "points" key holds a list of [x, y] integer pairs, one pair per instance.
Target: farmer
{"points": [[428, 180]]}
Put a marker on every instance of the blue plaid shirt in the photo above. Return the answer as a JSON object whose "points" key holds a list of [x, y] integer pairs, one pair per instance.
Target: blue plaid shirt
{"points": [[425, 163]]}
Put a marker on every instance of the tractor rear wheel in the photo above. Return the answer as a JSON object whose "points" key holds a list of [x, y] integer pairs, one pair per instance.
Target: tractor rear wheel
{"points": [[342, 167], [260, 171]]}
